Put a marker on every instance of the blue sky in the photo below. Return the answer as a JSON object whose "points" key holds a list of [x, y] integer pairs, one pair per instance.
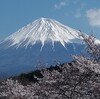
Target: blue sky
{"points": [[79, 14]]}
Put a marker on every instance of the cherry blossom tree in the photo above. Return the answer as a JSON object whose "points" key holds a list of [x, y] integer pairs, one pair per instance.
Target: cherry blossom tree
{"points": [[77, 80]]}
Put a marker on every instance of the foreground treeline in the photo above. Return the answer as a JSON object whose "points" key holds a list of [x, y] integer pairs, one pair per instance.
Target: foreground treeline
{"points": [[77, 80]]}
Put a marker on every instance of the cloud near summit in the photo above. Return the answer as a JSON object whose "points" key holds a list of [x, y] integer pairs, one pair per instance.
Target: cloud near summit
{"points": [[61, 4], [93, 16]]}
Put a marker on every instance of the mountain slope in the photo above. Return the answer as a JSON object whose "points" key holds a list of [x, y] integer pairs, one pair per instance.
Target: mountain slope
{"points": [[43, 41], [43, 30]]}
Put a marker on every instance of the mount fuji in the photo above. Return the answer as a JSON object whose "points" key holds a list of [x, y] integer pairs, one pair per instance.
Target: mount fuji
{"points": [[44, 41]]}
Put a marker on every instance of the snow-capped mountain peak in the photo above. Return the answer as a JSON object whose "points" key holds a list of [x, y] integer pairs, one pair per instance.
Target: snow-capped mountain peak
{"points": [[43, 30]]}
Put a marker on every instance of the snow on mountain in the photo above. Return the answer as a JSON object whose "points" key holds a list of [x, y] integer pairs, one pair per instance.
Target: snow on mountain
{"points": [[44, 40], [43, 30]]}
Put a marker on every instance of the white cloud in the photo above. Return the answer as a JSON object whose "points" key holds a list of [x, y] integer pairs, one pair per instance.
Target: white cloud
{"points": [[93, 16], [61, 4]]}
